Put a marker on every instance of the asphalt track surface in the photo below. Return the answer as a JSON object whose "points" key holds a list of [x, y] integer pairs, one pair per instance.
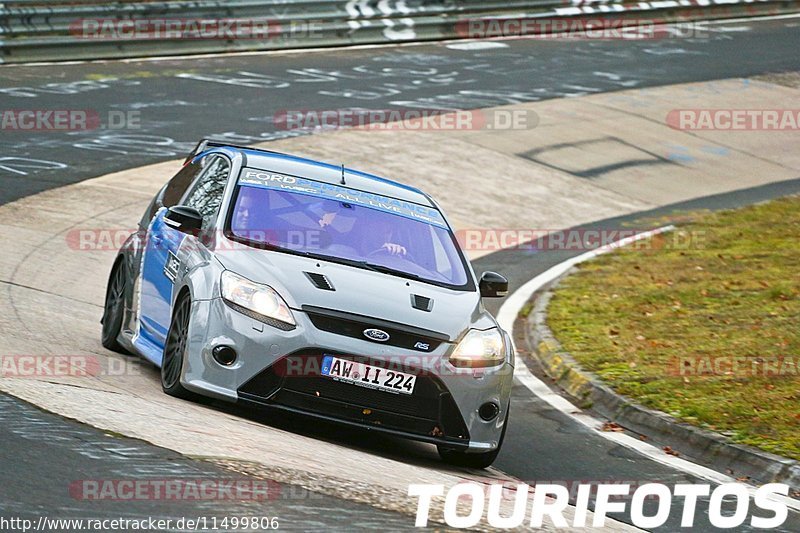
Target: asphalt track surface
{"points": [[238, 97], [42, 454]]}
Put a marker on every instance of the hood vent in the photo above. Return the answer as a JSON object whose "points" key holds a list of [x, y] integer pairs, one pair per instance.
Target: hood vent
{"points": [[320, 281], [422, 303]]}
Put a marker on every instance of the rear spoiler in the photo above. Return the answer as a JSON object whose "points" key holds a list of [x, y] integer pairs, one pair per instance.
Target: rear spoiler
{"points": [[206, 144], [198, 149]]}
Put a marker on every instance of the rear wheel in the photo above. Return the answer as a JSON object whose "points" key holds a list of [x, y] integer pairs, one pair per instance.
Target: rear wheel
{"points": [[473, 460], [114, 308], [175, 350]]}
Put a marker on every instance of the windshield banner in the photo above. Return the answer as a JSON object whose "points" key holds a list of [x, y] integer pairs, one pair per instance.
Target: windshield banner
{"points": [[329, 191]]}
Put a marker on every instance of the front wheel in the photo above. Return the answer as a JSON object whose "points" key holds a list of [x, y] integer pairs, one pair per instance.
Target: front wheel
{"points": [[473, 460], [175, 350], [114, 309]]}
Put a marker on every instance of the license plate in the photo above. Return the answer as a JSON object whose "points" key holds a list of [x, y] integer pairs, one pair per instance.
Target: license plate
{"points": [[372, 377]]}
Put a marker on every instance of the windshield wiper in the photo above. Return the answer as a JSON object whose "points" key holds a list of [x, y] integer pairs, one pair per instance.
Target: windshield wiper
{"points": [[360, 264], [388, 270]]}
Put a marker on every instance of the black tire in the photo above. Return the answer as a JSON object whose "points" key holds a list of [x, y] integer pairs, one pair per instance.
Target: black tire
{"points": [[114, 309], [175, 350], [473, 460]]}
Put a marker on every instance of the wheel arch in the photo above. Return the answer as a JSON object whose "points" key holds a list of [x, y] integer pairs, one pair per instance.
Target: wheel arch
{"points": [[127, 295], [184, 291]]}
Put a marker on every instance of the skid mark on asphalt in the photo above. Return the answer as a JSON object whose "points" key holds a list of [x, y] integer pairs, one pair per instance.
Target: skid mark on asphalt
{"points": [[599, 156]]}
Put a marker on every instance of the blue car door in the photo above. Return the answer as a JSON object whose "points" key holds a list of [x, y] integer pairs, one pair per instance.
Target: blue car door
{"points": [[159, 269], [161, 263]]}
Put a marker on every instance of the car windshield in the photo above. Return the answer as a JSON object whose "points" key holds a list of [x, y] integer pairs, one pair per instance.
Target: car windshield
{"points": [[348, 231]]}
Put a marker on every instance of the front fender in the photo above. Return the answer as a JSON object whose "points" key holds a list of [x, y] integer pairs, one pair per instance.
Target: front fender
{"points": [[199, 271]]}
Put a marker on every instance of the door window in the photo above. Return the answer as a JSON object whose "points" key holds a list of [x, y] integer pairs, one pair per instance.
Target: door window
{"points": [[206, 193]]}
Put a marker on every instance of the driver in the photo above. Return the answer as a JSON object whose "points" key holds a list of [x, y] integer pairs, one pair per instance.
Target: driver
{"points": [[369, 235]]}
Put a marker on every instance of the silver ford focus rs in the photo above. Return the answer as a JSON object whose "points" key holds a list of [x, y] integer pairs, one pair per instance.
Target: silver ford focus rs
{"points": [[272, 280]]}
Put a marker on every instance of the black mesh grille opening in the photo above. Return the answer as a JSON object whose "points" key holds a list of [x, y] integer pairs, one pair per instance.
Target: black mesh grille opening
{"points": [[320, 281], [354, 326], [423, 303], [295, 381]]}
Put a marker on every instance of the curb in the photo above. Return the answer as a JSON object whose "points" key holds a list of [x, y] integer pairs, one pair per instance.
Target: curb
{"points": [[589, 392]]}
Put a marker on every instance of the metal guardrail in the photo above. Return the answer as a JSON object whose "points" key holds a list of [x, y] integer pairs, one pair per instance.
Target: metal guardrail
{"points": [[31, 30]]}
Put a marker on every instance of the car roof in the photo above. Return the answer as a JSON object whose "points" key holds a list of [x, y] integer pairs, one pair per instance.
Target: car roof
{"points": [[324, 172]]}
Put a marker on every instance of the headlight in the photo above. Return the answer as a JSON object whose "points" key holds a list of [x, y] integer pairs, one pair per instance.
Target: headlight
{"points": [[479, 349], [262, 302]]}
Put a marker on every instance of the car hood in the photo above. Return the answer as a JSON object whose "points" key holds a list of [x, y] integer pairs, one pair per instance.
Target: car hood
{"points": [[360, 291]]}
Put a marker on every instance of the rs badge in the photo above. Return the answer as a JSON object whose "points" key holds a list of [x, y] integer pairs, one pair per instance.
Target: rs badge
{"points": [[171, 267]]}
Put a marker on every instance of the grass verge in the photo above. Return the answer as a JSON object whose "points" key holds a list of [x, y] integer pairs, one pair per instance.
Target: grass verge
{"points": [[707, 330]]}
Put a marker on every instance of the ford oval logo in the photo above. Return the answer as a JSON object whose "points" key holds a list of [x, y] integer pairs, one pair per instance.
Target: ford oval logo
{"points": [[376, 335]]}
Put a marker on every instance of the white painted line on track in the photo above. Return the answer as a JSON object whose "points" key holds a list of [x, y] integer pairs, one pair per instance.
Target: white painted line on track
{"points": [[508, 314], [753, 19], [476, 45], [732, 29]]}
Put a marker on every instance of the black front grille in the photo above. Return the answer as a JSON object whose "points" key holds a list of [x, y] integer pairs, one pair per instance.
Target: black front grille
{"points": [[350, 325], [295, 381]]}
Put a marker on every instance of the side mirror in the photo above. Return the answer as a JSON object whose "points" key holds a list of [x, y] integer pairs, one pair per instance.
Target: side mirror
{"points": [[493, 285], [184, 219]]}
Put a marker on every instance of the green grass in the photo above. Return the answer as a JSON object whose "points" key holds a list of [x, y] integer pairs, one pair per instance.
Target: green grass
{"points": [[725, 285]]}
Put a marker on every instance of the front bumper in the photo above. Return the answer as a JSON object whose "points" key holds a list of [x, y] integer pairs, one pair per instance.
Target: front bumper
{"points": [[280, 369]]}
